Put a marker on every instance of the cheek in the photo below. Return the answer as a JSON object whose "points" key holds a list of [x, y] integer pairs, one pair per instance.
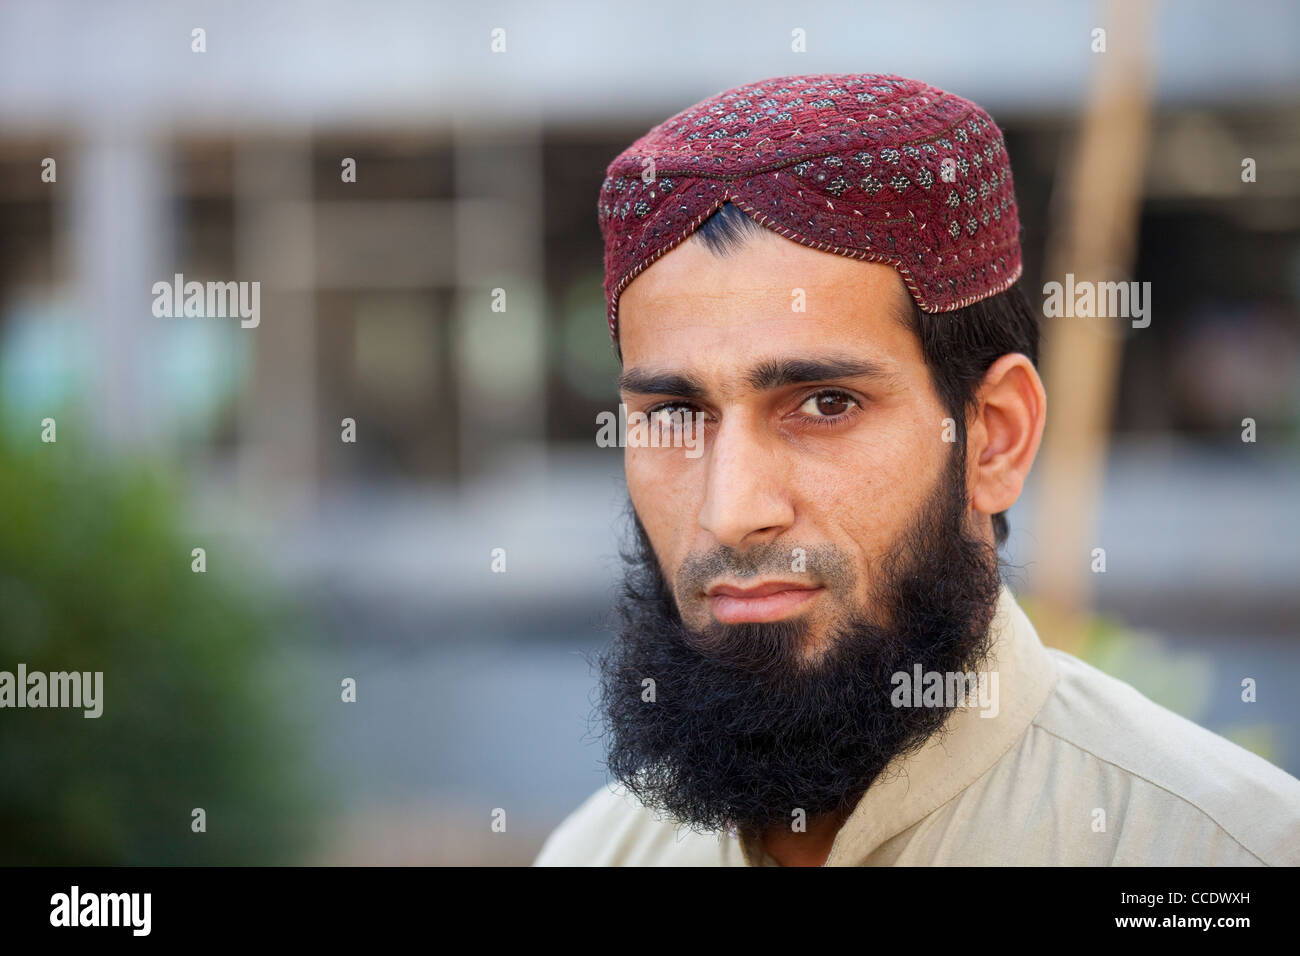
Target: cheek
{"points": [[663, 491], [870, 488]]}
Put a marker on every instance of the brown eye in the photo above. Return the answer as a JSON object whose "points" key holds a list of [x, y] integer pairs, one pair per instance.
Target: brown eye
{"points": [[827, 405]]}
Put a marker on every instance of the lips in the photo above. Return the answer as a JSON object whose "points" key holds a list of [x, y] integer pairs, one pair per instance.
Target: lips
{"points": [[770, 601]]}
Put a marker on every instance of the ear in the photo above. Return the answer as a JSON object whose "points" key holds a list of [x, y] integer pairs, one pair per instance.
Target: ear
{"points": [[1003, 437]]}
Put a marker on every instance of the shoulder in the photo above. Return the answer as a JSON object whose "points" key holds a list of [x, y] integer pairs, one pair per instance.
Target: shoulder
{"points": [[1169, 777], [613, 828]]}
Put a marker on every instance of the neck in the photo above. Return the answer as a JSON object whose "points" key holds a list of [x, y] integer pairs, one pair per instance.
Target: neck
{"points": [[810, 847]]}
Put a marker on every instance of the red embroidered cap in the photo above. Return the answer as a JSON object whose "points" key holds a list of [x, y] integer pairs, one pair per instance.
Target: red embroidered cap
{"points": [[865, 165]]}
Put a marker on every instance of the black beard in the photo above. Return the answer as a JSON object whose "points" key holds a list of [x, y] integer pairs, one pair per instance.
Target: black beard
{"points": [[742, 730]]}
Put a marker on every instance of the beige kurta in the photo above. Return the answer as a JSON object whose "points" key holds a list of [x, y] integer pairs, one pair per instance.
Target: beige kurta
{"points": [[1076, 768]]}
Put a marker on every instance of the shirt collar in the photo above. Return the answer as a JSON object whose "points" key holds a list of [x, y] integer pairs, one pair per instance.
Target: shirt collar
{"points": [[970, 743]]}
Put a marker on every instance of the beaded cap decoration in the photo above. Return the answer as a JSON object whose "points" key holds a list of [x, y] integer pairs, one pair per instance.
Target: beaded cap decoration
{"points": [[870, 166]]}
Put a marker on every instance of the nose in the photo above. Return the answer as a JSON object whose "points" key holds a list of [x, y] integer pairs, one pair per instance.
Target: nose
{"points": [[745, 499]]}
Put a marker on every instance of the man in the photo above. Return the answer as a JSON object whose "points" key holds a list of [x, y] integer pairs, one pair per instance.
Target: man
{"points": [[818, 662]]}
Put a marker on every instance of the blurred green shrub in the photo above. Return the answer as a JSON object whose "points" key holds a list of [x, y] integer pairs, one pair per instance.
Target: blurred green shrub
{"points": [[95, 575]]}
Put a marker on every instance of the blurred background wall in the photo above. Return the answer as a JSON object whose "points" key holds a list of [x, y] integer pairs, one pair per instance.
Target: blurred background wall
{"points": [[478, 170]]}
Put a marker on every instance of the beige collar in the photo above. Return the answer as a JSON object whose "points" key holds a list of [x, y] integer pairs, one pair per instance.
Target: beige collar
{"points": [[913, 787]]}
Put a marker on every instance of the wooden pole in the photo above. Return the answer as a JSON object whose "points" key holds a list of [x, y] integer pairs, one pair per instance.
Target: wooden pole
{"points": [[1094, 239]]}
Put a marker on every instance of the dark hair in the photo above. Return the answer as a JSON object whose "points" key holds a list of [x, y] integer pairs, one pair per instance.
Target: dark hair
{"points": [[959, 346]]}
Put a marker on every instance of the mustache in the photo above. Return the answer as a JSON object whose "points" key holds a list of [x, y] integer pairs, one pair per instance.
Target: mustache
{"points": [[821, 565]]}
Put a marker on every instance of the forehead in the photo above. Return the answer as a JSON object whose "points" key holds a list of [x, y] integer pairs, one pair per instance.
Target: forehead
{"points": [[692, 307]]}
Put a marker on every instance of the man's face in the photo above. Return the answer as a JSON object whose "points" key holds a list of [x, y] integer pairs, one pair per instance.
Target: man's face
{"points": [[823, 431], [821, 544]]}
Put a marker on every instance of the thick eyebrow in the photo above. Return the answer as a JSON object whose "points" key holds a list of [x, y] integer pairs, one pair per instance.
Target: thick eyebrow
{"points": [[771, 374], [778, 373], [644, 382]]}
